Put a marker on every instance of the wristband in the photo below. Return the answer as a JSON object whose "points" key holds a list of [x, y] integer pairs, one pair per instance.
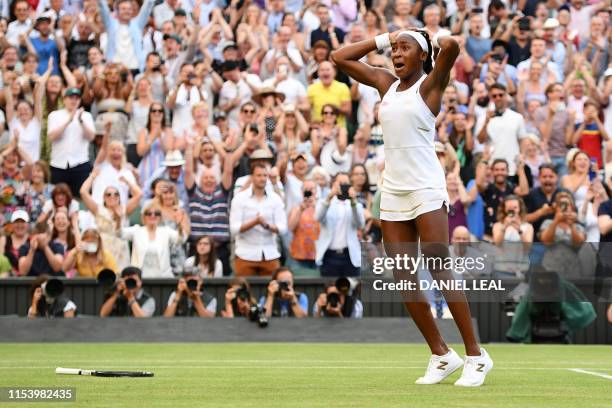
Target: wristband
{"points": [[438, 35], [382, 41]]}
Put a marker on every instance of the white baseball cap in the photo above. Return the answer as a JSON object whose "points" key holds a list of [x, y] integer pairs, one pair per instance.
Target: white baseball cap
{"points": [[20, 215]]}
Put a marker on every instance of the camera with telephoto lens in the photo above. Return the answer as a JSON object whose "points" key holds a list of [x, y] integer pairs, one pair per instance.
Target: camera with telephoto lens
{"points": [[192, 284], [257, 314], [243, 293], [107, 279], [333, 299], [52, 289]]}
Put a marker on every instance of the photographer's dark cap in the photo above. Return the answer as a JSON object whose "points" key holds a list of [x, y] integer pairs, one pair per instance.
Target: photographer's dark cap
{"points": [[131, 271], [172, 37], [229, 66], [180, 12], [72, 92]]}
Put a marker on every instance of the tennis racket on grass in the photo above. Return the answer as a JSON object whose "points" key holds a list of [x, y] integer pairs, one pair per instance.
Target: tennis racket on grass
{"points": [[96, 373]]}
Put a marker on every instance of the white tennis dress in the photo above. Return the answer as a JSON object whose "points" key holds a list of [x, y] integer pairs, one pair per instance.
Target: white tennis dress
{"points": [[414, 181]]}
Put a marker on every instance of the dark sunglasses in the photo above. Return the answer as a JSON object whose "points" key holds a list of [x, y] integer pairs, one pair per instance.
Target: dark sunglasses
{"points": [[494, 96], [157, 110], [111, 194], [329, 113], [152, 213], [248, 111]]}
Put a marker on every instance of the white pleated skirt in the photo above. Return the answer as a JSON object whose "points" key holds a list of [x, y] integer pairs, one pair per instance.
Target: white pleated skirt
{"points": [[409, 205]]}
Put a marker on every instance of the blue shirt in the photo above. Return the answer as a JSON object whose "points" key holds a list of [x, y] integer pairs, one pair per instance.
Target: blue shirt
{"points": [[285, 305], [477, 47], [46, 49], [475, 219]]}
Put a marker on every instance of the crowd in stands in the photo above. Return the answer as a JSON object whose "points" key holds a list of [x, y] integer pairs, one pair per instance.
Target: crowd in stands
{"points": [[209, 138]]}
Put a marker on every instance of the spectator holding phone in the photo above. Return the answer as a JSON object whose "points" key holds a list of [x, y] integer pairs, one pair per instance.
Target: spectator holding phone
{"points": [[341, 216], [127, 298], [281, 299], [564, 227], [189, 299], [89, 257], [305, 228]]}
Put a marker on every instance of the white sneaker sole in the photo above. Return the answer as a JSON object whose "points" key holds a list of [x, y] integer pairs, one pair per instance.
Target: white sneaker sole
{"points": [[487, 368], [446, 375]]}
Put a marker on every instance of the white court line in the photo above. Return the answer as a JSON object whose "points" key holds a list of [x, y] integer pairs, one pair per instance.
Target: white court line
{"points": [[581, 371], [331, 367]]}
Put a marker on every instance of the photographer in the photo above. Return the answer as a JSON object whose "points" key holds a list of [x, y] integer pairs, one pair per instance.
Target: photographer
{"points": [[334, 302], [238, 299], [128, 299], [189, 299], [282, 300], [48, 299]]}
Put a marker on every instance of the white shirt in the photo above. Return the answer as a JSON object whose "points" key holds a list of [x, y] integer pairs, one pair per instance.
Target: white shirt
{"points": [[217, 273], [368, 97], [181, 115], [15, 29], [295, 57], [162, 13], [504, 133], [109, 177], [291, 88], [341, 227], [124, 51], [231, 90], [257, 244], [29, 136], [154, 255], [72, 147]]}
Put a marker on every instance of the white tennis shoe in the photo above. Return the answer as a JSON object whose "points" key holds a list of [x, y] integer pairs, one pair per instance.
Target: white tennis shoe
{"points": [[475, 370], [440, 367]]}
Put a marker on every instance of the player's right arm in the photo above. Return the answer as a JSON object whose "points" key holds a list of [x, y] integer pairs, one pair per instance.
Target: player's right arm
{"points": [[347, 59]]}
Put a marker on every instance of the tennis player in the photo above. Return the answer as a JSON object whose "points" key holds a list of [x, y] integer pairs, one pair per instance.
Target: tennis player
{"points": [[414, 202]]}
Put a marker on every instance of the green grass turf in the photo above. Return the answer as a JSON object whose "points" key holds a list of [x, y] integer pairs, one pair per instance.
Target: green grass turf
{"points": [[296, 375]]}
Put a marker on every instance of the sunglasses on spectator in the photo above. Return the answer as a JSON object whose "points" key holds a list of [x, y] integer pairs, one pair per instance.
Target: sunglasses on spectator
{"points": [[152, 213], [330, 113], [495, 96], [111, 194], [157, 110], [248, 111]]}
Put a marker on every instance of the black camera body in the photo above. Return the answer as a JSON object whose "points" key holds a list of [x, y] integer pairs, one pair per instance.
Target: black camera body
{"points": [[283, 286], [333, 299], [257, 314], [243, 293], [192, 284]]}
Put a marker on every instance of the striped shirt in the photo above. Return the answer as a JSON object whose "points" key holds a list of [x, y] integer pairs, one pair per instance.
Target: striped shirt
{"points": [[209, 213]]}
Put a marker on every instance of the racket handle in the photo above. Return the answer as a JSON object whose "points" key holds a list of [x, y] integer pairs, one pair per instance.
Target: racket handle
{"points": [[69, 371]]}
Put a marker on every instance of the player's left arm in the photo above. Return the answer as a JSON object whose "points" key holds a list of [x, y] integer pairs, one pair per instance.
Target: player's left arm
{"points": [[433, 86]]}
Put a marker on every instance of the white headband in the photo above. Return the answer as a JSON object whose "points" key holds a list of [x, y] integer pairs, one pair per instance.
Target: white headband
{"points": [[417, 36]]}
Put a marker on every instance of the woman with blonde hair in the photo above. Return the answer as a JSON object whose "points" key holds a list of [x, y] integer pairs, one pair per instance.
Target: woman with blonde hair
{"points": [[152, 242], [137, 107], [111, 91], [153, 142], [89, 257], [174, 217], [112, 215]]}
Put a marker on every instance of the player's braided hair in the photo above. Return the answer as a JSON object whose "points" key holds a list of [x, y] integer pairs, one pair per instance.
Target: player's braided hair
{"points": [[428, 63]]}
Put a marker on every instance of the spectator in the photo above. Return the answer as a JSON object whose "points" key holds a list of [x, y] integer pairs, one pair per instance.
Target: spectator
{"points": [[127, 298], [556, 125], [186, 94], [494, 193], [331, 34], [19, 28], [334, 303], [564, 227], [591, 134], [538, 53], [281, 299], [461, 248], [341, 216], [256, 218], [44, 304], [151, 243], [512, 233], [269, 100], [238, 299], [476, 44], [328, 91], [153, 142], [587, 212], [292, 134], [70, 130], [39, 255], [305, 229], [331, 138], [540, 199], [204, 261], [40, 190], [65, 234], [90, 257], [44, 46], [290, 87], [503, 127], [111, 216], [124, 32], [61, 197], [235, 92], [459, 202], [578, 182], [12, 183], [190, 299], [23, 121], [530, 149], [171, 171], [208, 206], [17, 235], [281, 48], [177, 219]]}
